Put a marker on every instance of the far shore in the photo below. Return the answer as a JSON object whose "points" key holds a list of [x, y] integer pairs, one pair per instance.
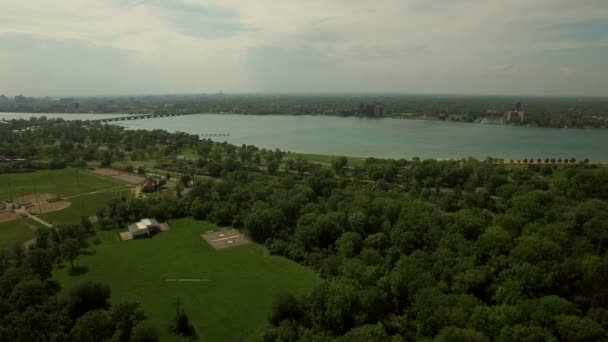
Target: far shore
{"points": [[400, 116]]}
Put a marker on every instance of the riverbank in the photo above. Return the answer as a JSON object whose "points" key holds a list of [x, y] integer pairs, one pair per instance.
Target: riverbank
{"points": [[382, 137]]}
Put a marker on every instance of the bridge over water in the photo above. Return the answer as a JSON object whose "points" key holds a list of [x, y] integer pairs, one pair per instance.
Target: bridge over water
{"points": [[153, 116], [138, 117]]}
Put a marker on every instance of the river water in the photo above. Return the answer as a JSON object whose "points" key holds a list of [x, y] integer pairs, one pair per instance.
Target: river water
{"points": [[384, 138]]}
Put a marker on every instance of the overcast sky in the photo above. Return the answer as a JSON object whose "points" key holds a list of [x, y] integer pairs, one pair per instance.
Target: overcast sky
{"points": [[123, 47]]}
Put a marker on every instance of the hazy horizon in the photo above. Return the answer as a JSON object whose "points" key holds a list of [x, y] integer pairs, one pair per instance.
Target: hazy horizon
{"points": [[326, 94], [114, 48]]}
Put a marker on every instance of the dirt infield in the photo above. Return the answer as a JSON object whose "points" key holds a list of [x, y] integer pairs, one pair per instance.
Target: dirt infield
{"points": [[7, 216], [122, 176], [34, 198], [42, 203], [225, 238]]}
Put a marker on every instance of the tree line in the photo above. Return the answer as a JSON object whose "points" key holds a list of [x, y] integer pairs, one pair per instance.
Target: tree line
{"points": [[409, 250]]}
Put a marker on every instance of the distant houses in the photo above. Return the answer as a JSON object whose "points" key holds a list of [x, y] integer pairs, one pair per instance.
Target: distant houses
{"points": [[150, 185]]}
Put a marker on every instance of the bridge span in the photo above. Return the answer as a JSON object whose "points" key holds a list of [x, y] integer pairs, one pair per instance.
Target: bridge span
{"points": [[138, 117]]}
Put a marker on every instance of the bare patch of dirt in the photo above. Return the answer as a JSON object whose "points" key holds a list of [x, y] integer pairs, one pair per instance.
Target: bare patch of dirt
{"points": [[122, 176], [42, 203], [7, 216], [34, 198]]}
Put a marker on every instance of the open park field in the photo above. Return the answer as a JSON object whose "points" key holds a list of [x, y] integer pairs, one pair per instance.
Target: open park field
{"points": [[63, 183], [17, 231], [81, 195], [226, 293]]}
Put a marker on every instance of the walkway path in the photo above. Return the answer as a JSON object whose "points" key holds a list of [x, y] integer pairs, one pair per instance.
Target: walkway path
{"points": [[23, 212], [93, 192]]}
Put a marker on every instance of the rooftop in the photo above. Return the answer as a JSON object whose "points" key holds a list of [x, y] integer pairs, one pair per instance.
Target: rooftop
{"points": [[145, 223]]}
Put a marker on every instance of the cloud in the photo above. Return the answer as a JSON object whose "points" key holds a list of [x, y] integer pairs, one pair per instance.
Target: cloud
{"points": [[205, 21], [586, 30], [460, 46], [74, 66], [276, 68], [434, 5]]}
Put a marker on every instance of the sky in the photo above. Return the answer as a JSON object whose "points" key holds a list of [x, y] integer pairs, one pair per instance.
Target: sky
{"points": [[129, 47]]}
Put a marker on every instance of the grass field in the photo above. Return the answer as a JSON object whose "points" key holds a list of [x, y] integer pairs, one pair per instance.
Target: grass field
{"points": [[65, 183], [86, 205], [237, 289], [18, 231]]}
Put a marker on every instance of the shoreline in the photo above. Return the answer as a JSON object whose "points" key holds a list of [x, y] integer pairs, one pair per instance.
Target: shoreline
{"points": [[396, 117], [328, 156]]}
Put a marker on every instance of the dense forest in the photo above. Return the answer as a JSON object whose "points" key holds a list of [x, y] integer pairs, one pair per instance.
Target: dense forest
{"points": [[539, 111], [410, 250]]}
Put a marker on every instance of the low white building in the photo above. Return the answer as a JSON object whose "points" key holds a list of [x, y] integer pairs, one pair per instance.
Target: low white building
{"points": [[145, 228]]}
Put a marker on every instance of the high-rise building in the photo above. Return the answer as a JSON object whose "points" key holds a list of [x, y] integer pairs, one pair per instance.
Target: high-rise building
{"points": [[517, 113], [518, 107], [20, 99], [378, 110]]}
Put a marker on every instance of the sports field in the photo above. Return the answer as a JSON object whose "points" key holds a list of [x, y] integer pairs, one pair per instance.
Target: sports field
{"points": [[84, 192], [226, 293], [64, 183]]}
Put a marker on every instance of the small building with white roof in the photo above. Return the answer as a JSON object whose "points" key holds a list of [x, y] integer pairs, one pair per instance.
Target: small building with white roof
{"points": [[145, 228]]}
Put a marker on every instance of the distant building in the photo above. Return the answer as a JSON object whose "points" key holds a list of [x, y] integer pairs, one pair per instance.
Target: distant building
{"points": [[150, 185], [511, 115], [365, 109], [370, 109], [518, 107], [378, 110], [145, 228], [20, 99], [516, 114]]}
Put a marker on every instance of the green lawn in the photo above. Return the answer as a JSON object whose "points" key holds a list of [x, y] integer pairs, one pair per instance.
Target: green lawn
{"points": [[65, 182], [85, 205], [18, 231], [241, 282]]}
